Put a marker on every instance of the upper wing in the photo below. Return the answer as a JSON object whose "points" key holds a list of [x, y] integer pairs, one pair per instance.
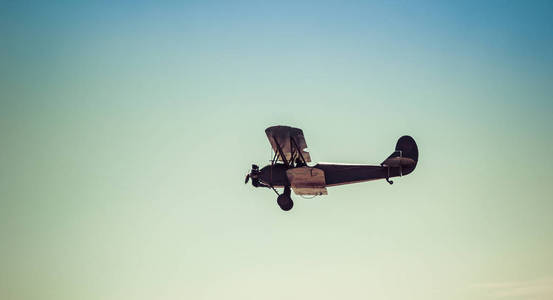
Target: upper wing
{"points": [[286, 138]]}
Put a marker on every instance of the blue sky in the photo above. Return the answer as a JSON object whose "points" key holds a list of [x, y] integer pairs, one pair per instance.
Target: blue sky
{"points": [[127, 130]]}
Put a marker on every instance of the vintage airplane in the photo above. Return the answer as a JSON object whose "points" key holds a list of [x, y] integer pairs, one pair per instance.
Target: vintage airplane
{"points": [[289, 169]]}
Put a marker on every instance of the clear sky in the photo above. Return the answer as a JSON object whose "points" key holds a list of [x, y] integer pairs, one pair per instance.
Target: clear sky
{"points": [[126, 131]]}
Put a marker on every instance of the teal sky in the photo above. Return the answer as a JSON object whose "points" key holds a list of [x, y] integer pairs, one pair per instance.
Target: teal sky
{"points": [[127, 130]]}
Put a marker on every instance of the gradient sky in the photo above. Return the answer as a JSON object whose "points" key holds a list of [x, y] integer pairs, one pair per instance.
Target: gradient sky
{"points": [[127, 130]]}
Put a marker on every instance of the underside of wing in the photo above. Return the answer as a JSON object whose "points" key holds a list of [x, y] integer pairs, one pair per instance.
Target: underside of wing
{"points": [[288, 142], [311, 191], [307, 181]]}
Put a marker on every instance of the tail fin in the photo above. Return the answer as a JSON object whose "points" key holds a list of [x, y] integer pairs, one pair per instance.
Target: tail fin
{"points": [[405, 157]]}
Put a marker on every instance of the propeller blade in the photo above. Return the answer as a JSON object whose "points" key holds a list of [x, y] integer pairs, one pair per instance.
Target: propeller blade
{"points": [[247, 179]]}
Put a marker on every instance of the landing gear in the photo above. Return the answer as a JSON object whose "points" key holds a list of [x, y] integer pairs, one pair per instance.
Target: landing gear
{"points": [[388, 177], [285, 201]]}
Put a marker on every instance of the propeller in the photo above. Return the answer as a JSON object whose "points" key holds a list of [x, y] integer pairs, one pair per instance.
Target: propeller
{"points": [[253, 174]]}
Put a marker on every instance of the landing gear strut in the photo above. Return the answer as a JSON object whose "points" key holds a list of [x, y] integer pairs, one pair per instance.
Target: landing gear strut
{"points": [[284, 200]]}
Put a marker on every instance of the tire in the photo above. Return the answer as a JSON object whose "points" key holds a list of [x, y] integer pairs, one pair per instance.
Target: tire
{"points": [[285, 202], [288, 206]]}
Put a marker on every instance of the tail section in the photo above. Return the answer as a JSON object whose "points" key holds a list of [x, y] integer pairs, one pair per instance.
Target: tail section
{"points": [[408, 148], [405, 157]]}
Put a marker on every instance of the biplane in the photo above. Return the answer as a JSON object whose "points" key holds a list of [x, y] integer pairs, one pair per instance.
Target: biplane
{"points": [[289, 167]]}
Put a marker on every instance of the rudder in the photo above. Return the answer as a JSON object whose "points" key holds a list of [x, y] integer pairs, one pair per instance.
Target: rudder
{"points": [[405, 156], [408, 147]]}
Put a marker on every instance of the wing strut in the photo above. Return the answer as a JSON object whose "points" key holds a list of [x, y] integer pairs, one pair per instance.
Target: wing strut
{"points": [[280, 152], [299, 150]]}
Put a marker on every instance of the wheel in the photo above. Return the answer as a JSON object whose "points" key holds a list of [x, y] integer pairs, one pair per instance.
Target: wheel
{"points": [[288, 206], [285, 202], [282, 200]]}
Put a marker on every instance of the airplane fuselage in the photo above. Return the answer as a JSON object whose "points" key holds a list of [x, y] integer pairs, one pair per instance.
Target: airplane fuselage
{"points": [[334, 174], [274, 175]]}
